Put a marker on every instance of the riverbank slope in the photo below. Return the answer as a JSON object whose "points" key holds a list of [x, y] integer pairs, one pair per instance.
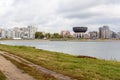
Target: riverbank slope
{"points": [[78, 68]]}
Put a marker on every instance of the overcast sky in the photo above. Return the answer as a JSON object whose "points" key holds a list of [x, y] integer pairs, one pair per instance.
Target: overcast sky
{"points": [[57, 15]]}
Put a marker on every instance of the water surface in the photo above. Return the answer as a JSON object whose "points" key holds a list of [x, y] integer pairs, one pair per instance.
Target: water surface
{"points": [[104, 50]]}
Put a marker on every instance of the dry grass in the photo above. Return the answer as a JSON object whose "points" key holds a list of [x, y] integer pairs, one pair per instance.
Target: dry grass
{"points": [[31, 71], [2, 76]]}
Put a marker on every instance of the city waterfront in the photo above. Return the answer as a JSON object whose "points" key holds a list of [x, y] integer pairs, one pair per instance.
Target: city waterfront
{"points": [[108, 50]]}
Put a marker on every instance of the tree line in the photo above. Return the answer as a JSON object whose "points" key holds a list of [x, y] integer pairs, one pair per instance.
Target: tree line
{"points": [[41, 35]]}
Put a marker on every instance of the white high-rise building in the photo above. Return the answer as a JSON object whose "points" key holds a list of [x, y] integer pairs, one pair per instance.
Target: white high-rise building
{"points": [[2, 33], [31, 32], [9, 34], [19, 33], [24, 33], [16, 33]]}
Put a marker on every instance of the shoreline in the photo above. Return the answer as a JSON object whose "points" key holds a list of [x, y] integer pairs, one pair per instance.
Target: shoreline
{"points": [[76, 40]]}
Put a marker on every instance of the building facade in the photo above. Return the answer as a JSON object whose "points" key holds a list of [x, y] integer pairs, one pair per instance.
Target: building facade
{"points": [[19, 33], [93, 35], [65, 34], [2, 33], [105, 32], [31, 32]]}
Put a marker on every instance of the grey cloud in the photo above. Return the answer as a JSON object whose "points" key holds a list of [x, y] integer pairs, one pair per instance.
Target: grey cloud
{"points": [[73, 6], [105, 20], [29, 12], [80, 9], [78, 5], [60, 14], [81, 15]]}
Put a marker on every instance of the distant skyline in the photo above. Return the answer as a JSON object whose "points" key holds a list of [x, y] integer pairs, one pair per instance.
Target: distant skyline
{"points": [[57, 15]]}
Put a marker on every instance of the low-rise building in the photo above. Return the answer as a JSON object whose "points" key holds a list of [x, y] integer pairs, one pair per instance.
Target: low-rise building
{"points": [[93, 35], [65, 34]]}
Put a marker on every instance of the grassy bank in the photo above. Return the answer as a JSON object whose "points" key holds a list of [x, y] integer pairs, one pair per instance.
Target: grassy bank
{"points": [[79, 68], [31, 71], [2, 76]]}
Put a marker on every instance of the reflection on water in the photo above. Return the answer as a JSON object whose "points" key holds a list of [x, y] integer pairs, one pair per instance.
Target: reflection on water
{"points": [[103, 50]]}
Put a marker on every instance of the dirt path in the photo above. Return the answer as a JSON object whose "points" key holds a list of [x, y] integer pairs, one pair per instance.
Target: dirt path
{"points": [[58, 76], [11, 71]]}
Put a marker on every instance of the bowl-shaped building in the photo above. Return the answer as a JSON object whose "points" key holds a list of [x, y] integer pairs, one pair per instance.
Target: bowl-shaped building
{"points": [[80, 29]]}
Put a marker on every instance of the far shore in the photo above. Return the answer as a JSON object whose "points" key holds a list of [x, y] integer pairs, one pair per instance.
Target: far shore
{"points": [[73, 40]]}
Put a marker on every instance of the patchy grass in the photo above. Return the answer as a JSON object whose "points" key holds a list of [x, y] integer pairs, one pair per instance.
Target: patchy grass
{"points": [[2, 76], [79, 68], [31, 71]]}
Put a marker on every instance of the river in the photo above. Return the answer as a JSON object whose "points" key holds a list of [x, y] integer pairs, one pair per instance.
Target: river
{"points": [[109, 50]]}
